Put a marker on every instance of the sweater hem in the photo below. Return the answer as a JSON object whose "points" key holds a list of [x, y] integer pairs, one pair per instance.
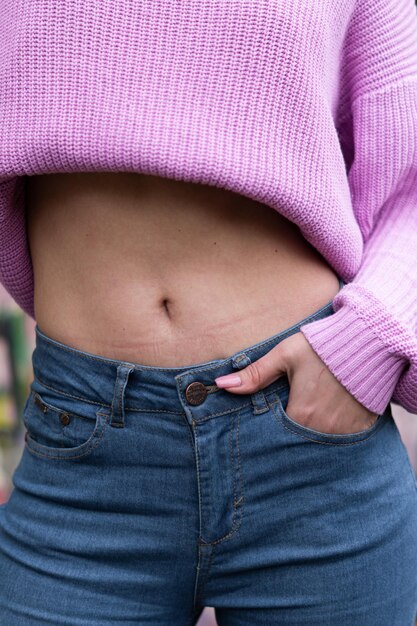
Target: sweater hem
{"points": [[356, 356]]}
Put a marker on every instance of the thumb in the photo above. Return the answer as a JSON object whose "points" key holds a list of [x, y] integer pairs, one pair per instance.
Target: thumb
{"points": [[256, 375]]}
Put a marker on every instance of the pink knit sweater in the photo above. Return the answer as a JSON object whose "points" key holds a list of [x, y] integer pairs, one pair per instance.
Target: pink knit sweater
{"points": [[308, 107]]}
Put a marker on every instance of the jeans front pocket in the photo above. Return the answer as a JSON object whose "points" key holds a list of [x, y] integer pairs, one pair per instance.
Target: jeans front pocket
{"points": [[60, 426], [316, 436]]}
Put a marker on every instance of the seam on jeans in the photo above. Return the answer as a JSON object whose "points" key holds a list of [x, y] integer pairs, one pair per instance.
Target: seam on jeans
{"points": [[197, 457], [233, 410], [241, 483], [237, 502], [203, 581], [326, 443], [94, 443], [139, 410], [108, 406], [194, 453], [121, 390], [55, 409], [408, 461], [235, 526], [122, 386], [190, 436], [69, 395], [231, 433]]}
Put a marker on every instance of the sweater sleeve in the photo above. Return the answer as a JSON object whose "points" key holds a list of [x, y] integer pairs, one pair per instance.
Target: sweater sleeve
{"points": [[370, 341]]}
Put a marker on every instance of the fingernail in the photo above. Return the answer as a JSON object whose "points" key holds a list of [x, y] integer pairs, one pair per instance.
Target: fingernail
{"points": [[231, 380]]}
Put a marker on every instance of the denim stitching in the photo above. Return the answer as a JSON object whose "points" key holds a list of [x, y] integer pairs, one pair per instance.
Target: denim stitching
{"points": [[235, 525], [203, 581], [231, 433], [103, 404], [327, 443], [210, 543], [190, 436], [197, 458], [69, 395], [120, 402], [278, 387], [241, 499], [410, 467], [58, 410], [232, 410], [139, 410], [194, 444], [94, 443], [208, 572], [122, 388]]}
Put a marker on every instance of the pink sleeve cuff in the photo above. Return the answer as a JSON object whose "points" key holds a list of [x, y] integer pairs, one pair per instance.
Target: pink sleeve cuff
{"points": [[356, 356]]}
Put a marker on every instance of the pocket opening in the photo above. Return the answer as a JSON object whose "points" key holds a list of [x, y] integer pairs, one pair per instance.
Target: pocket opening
{"points": [[328, 438], [62, 431]]}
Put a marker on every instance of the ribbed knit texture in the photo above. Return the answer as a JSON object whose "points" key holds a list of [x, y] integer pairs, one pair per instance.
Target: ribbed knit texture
{"points": [[308, 107]]}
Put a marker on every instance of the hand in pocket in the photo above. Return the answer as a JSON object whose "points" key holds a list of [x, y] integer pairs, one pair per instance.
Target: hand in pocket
{"points": [[316, 400]]}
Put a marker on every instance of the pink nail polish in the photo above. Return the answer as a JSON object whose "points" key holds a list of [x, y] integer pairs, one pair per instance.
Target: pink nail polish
{"points": [[231, 380]]}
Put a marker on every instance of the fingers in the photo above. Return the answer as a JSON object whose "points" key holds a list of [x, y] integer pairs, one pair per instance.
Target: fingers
{"points": [[256, 375]]}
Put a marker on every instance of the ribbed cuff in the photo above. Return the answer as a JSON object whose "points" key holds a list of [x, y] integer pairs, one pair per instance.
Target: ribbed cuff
{"points": [[356, 356]]}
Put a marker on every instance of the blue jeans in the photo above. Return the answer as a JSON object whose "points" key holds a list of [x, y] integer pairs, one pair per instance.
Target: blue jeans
{"points": [[144, 494]]}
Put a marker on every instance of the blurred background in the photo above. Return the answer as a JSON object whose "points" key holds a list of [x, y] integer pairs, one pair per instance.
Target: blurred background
{"points": [[17, 341]]}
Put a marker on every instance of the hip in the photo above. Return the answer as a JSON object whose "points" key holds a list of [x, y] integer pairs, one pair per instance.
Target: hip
{"points": [[286, 522]]}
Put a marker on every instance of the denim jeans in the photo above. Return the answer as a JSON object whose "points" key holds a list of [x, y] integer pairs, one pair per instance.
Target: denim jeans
{"points": [[145, 493]]}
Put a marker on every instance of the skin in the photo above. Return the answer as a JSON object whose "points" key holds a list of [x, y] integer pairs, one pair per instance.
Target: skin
{"points": [[168, 273], [316, 398]]}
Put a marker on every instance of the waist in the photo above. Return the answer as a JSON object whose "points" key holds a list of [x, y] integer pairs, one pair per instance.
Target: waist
{"points": [[59, 368], [166, 274]]}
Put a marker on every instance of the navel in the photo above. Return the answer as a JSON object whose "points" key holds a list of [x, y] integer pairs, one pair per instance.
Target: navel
{"points": [[166, 304]]}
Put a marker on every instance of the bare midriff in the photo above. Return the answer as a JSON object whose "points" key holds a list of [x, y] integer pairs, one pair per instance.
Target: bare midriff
{"points": [[164, 272]]}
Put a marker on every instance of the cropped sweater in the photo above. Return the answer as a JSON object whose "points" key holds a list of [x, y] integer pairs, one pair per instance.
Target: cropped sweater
{"points": [[307, 107]]}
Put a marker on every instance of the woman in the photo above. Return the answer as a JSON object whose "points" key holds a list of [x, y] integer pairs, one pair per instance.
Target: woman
{"points": [[208, 209]]}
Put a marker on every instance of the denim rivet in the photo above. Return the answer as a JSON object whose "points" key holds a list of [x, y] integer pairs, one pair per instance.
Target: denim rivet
{"points": [[40, 404], [64, 418], [196, 393]]}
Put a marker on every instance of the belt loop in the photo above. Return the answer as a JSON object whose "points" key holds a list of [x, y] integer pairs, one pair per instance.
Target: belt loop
{"points": [[118, 403], [259, 402]]}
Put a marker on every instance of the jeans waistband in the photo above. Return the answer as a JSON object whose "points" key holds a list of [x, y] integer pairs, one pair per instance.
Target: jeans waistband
{"points": [[125, 386]]}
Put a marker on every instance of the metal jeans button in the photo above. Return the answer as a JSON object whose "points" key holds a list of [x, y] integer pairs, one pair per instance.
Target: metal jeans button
{"points": [[196, 393]]}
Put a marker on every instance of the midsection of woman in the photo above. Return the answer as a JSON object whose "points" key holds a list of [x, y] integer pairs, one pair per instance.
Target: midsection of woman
{"points": [[163, 272]]}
